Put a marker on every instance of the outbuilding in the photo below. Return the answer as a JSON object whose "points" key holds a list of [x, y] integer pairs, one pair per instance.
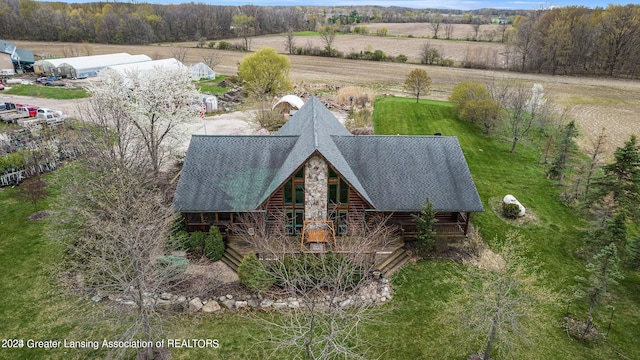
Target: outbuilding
{"points": [[202, 71], [84, 66]]}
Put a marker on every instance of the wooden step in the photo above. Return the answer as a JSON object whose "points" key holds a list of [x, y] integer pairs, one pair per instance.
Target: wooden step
{"points": [[396, 259], [398, 265], [390, 258], [231, 258], [230, 263]]}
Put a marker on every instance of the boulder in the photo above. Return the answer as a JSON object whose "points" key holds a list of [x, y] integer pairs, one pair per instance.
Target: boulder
{"points": [[211, 306], [195, 305], [229, 304], [510, 199], [266, 303]]}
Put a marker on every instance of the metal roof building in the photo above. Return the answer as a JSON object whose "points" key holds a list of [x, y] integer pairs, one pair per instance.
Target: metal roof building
{"points": [[84, 66]]}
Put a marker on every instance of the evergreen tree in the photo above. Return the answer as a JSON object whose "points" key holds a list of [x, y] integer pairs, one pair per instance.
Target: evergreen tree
{"points": [[424, 226], [566, 146], [622, 177], [633, 250], [603, 272]]}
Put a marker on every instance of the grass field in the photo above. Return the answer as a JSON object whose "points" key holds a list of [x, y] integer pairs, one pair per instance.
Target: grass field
{"points": [[49, 92], [34, 307], [211, 86]]}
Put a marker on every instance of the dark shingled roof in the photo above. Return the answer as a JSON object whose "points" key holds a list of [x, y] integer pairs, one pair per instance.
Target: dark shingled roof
{"points": [[399, 172], [395, 173]]}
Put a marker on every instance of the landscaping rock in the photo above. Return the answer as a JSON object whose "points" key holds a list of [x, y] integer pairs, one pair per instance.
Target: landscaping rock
{"points": [[195, 305], [279, 305], [294, 304], [211, 306], [229, 304]]}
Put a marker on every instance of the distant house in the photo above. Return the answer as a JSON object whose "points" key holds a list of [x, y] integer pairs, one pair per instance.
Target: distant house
{"points": [[313, 170], [12, 58]]}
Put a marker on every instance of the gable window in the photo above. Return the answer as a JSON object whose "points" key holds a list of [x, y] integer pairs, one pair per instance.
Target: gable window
{"points": [[293, 203], [294, 189], [338, 189]]}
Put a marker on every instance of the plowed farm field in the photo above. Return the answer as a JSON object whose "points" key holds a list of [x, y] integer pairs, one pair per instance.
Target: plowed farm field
{"points": [[595, 103]]}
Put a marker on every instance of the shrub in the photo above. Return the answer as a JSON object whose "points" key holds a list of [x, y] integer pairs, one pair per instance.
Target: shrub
{"points": [[426, 237], [446, 62], [402, 58], [224, 45], [326, 271], [211, 44], [253, 274], [383, 31], [510, 211], [213, 244], [171, 264], [196, 242]]}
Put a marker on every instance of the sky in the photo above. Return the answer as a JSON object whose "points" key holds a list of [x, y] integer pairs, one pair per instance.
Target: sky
{"points": [[415, 4]]}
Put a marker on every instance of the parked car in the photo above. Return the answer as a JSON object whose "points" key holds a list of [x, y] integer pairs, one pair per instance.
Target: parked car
{"points": [[31, 110], [1, 86], [42, 112], [52, 118]]}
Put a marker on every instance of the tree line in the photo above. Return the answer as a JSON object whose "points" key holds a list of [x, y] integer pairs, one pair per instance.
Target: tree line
{"points": [[142, 23], [576, 40], [129, 23]]}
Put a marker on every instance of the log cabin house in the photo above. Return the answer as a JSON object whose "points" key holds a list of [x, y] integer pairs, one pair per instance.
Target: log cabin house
{"points": [[315, 178]]}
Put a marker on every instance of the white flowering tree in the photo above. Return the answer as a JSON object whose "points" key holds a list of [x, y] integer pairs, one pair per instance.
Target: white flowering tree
{"points": [[523, 108], [147, 111]]}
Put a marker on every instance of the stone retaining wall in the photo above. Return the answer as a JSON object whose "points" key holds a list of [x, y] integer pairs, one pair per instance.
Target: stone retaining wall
{"points": [[372, 293]]}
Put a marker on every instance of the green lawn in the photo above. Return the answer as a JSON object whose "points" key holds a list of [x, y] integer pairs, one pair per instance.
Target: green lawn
{"points": [[553, 238], [32, 305], [211, 86], [49, 92]]}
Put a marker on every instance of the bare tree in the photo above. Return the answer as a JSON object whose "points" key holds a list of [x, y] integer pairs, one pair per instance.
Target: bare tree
{"points": [[34, 190], [326, 323], [598, 147], [475, 25], [70, 51], [179, 53], [290, 41], [87, 48], [434, 24], [115, 226], [448, 28], [212, 58], [244, 27], [328, 34], [498, 302], [523, 107]]}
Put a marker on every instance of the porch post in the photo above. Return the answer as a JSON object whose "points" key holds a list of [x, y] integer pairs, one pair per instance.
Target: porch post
{"points": [[466, 223]]}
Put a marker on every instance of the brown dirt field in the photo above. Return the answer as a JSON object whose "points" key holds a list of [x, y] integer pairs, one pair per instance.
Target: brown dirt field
{"points": [[593, 102]]}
